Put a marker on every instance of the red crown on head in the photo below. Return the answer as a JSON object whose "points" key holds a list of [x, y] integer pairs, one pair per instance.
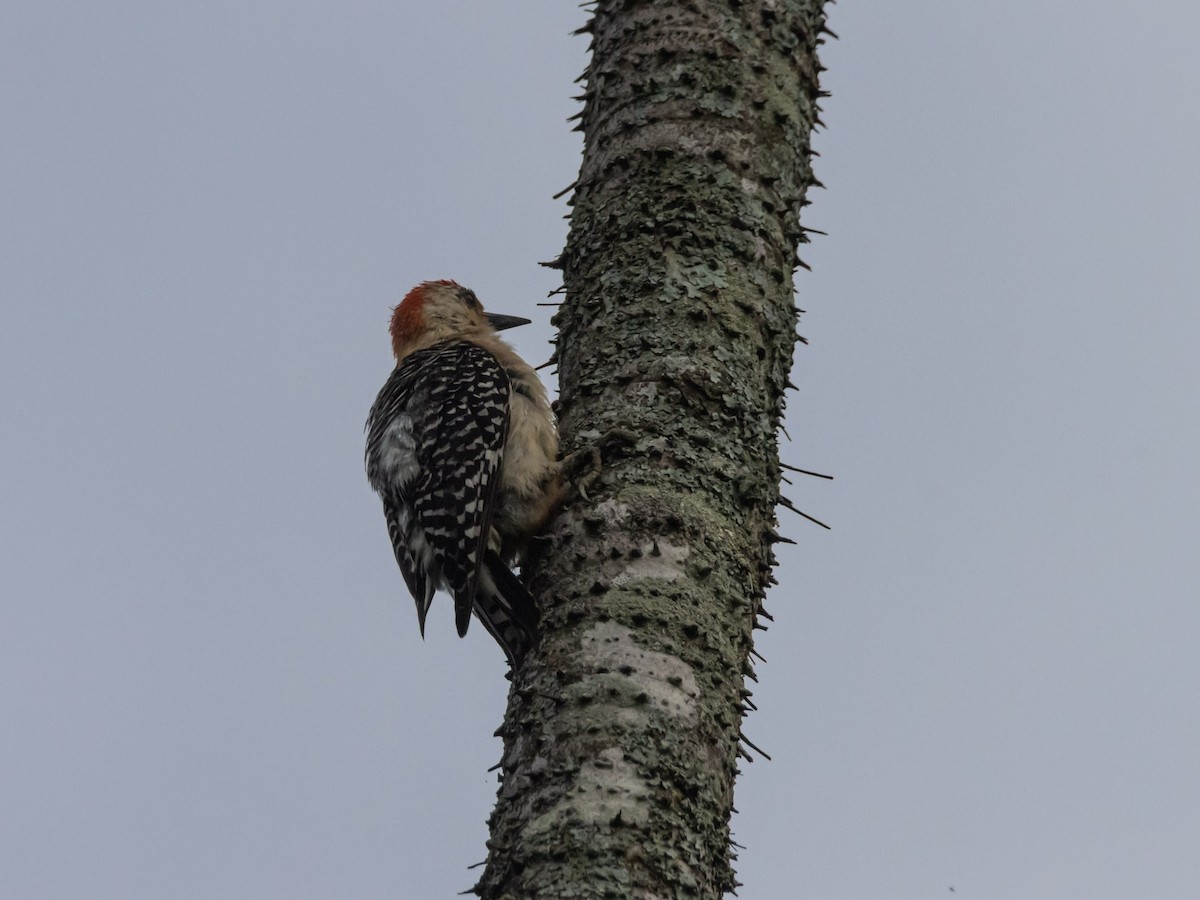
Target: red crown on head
{"points": [[408, 317]]}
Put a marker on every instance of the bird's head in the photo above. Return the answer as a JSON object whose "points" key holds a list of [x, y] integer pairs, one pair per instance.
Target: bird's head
{"points": [[442, 310]]}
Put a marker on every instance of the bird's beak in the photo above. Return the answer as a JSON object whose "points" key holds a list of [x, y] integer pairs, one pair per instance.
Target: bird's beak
{"points": [[500, 322]]}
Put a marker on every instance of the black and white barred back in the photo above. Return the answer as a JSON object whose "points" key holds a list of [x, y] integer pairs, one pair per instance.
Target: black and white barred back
{"points": [[435, 445]]}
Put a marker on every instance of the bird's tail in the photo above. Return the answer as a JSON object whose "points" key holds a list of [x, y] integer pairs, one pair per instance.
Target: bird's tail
{"points": [[506, 608]]}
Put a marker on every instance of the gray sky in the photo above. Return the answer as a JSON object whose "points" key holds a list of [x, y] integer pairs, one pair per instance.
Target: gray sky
{"points": [[211, 681]]}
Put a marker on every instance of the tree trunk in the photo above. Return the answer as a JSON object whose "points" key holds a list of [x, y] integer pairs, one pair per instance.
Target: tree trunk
{"points": [[622, 736]]}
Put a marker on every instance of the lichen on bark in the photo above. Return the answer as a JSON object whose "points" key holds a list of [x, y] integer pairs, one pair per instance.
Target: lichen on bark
{"points": [[621, 739]]}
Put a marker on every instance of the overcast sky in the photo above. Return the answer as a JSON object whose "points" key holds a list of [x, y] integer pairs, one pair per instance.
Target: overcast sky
{"points": [[211, 682]]}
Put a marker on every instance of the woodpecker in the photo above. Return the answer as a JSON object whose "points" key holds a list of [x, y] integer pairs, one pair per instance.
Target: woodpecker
{"points": [[462, 448]]}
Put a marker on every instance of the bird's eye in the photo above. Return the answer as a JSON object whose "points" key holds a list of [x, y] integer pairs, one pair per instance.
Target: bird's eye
{"points": [[469, 298]]}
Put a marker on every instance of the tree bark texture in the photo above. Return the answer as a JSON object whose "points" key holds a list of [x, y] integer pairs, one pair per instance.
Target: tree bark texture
{"points": [[622, 736]]}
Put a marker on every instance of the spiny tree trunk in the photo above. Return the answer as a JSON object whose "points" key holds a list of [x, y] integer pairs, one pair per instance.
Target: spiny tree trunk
{"points": [[622, 736]]}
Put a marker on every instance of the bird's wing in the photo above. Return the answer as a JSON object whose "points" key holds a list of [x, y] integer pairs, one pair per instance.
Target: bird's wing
{"points": [[438, 430]]}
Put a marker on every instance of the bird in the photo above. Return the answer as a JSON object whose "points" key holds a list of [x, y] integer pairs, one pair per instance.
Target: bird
{"points": [[462, 448]]}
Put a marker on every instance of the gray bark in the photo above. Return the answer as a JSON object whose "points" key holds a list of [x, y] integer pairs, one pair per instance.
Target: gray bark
{"points": [[622, 735]]}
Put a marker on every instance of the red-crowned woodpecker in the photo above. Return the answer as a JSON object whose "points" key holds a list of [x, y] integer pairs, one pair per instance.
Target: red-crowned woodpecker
{"points": [[462, 448]]}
